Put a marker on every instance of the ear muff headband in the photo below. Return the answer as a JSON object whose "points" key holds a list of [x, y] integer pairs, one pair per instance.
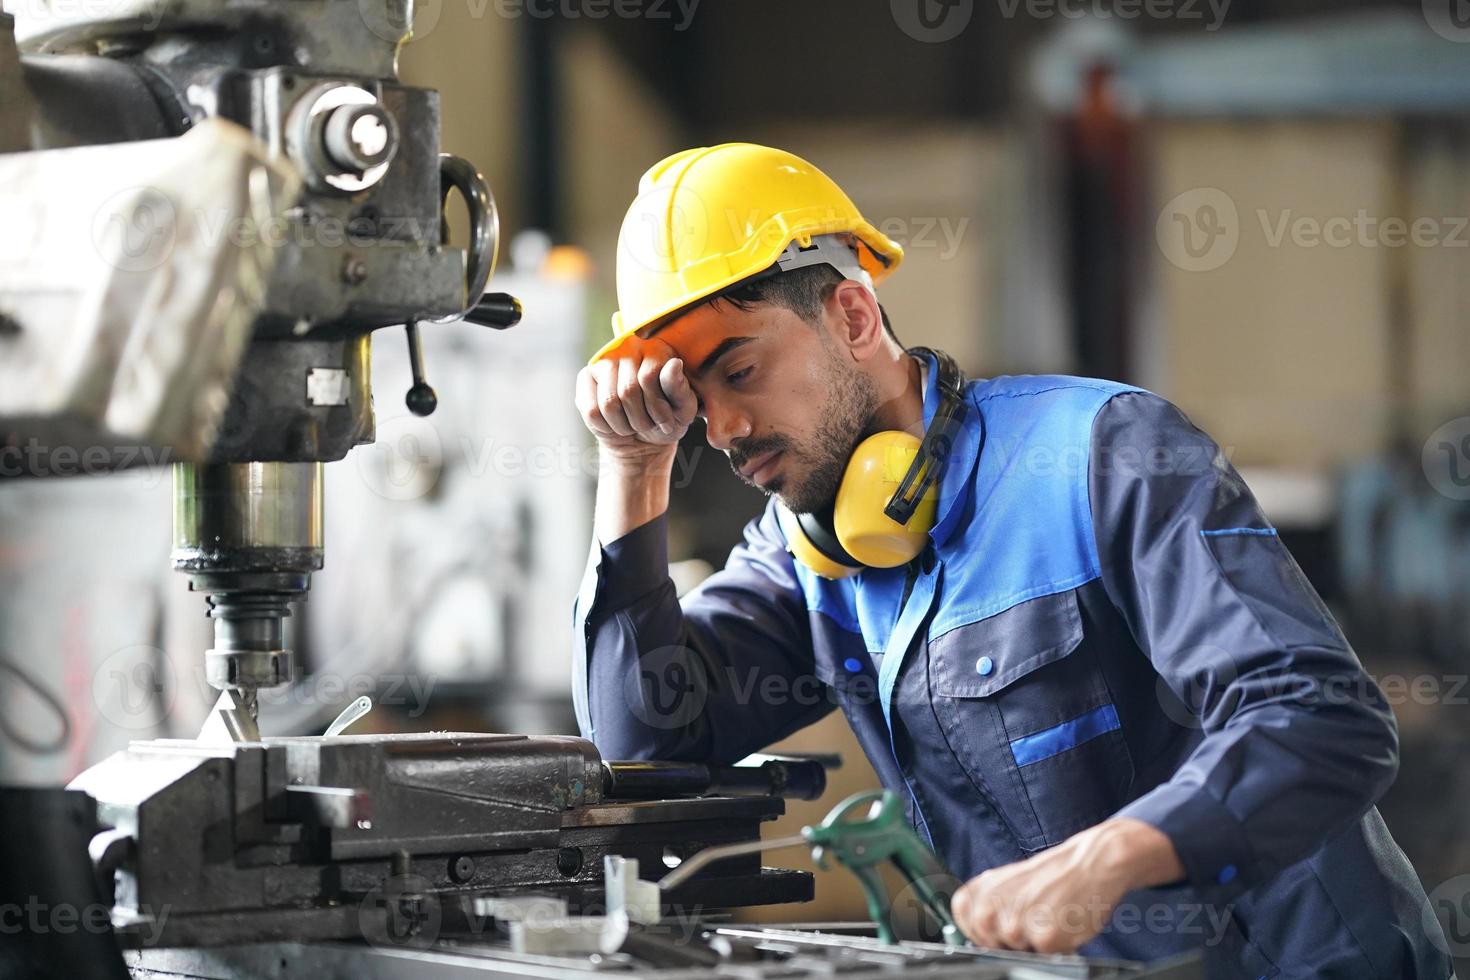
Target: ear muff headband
{"points": [[938, 442], [819, 533]]}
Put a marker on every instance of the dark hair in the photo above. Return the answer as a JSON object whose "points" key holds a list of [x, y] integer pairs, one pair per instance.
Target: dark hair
{"points": [[802, 291]]}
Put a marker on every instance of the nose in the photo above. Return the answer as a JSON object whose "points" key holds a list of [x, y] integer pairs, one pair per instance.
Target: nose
{"points": [[723, 427]]}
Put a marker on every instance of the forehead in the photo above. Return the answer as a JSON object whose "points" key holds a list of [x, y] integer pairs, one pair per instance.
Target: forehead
{"points": [[697, 333]]}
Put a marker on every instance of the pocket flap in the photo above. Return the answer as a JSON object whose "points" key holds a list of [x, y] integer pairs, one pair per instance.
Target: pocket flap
{"points": [[977, 659]]}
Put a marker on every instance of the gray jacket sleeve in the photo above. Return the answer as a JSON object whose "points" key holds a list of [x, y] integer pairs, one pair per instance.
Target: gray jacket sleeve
{"points": [[1297, 740], [721, 673]]}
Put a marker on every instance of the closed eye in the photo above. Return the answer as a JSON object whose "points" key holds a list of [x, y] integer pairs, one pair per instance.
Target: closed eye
{"points": [[739, 376]]}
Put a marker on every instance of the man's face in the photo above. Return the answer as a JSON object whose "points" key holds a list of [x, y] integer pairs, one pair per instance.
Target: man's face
{"points": [[780, 396]]}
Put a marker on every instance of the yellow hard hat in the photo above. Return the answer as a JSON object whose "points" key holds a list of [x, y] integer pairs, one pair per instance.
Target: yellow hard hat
{"points": [[709, 217]]}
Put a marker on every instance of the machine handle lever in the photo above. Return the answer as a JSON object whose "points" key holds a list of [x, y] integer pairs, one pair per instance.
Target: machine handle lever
{"points": [[499, 311], [421, 399]]}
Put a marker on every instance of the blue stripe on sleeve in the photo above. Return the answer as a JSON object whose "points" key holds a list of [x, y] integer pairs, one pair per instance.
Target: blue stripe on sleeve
{"points": [[1221, 532]]}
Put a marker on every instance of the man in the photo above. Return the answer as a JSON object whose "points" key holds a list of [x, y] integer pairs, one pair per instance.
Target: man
{"points": [[1105, 691]]}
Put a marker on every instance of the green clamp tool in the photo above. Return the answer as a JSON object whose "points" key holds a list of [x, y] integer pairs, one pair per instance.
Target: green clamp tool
{"points": [[859, 842], [862, 842]]}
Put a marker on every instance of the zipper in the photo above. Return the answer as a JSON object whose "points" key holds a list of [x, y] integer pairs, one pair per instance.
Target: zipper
{"points": [[911, 575]]}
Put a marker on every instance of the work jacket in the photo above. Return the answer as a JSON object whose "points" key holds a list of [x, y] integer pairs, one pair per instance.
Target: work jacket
{"points": [[1102, 624]]}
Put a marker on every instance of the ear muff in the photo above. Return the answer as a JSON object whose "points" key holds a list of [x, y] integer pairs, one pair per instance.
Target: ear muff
{"points": [[889, 496]]}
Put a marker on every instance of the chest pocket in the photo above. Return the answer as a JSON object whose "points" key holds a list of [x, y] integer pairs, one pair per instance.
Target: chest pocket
{"points": [[1027, 713]]}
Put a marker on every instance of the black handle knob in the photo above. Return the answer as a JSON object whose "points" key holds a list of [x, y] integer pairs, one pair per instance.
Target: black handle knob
{"points": [[499, 311], [421, 399]]}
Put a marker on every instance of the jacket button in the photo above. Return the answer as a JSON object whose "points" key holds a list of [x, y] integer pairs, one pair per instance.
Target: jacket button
{"points": [[853, 665], [1226, 875], [984, 666]]}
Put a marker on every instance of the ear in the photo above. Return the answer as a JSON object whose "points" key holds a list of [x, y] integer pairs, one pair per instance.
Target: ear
{"points": [[859, 324]]}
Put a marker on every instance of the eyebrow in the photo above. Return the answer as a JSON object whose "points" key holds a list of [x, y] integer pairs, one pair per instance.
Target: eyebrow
{"points": [[724, 347]]}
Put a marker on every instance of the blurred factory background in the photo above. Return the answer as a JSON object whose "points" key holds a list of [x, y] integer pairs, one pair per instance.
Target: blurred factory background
{"points": [[1256, 208]]}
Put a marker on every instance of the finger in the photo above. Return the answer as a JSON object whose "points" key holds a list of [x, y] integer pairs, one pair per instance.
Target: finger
{"points": [[608, 402], [1010, 930], [660, 412], [960, 903], [586, 401], [679, 392], [982, 927], [630, 394]]}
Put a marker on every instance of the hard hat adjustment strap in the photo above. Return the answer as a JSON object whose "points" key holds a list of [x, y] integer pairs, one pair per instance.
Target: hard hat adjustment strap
{"points": [[830, 250]]}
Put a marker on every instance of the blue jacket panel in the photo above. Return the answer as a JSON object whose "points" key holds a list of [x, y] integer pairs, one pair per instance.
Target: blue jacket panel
{"points": [[1103, 623]]}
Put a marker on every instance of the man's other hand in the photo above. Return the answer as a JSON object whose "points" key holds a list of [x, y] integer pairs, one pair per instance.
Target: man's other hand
{"points": [[1055, 901]]}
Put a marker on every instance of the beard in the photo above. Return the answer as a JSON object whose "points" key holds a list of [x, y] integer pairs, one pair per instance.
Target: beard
{"points": [[852, 400]]}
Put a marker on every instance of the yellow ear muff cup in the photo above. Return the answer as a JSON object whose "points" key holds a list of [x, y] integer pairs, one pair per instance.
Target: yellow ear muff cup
{"points": [[873, 475], [804, 551]]}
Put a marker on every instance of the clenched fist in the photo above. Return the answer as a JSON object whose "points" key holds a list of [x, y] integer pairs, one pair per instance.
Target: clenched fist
{"points": [[1058, 899], [638, 401]]}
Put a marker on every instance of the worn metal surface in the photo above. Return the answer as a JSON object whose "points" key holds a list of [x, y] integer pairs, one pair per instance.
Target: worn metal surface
{"points": [[127, 321], [320, 838], [753, 953], [357, 244]]}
